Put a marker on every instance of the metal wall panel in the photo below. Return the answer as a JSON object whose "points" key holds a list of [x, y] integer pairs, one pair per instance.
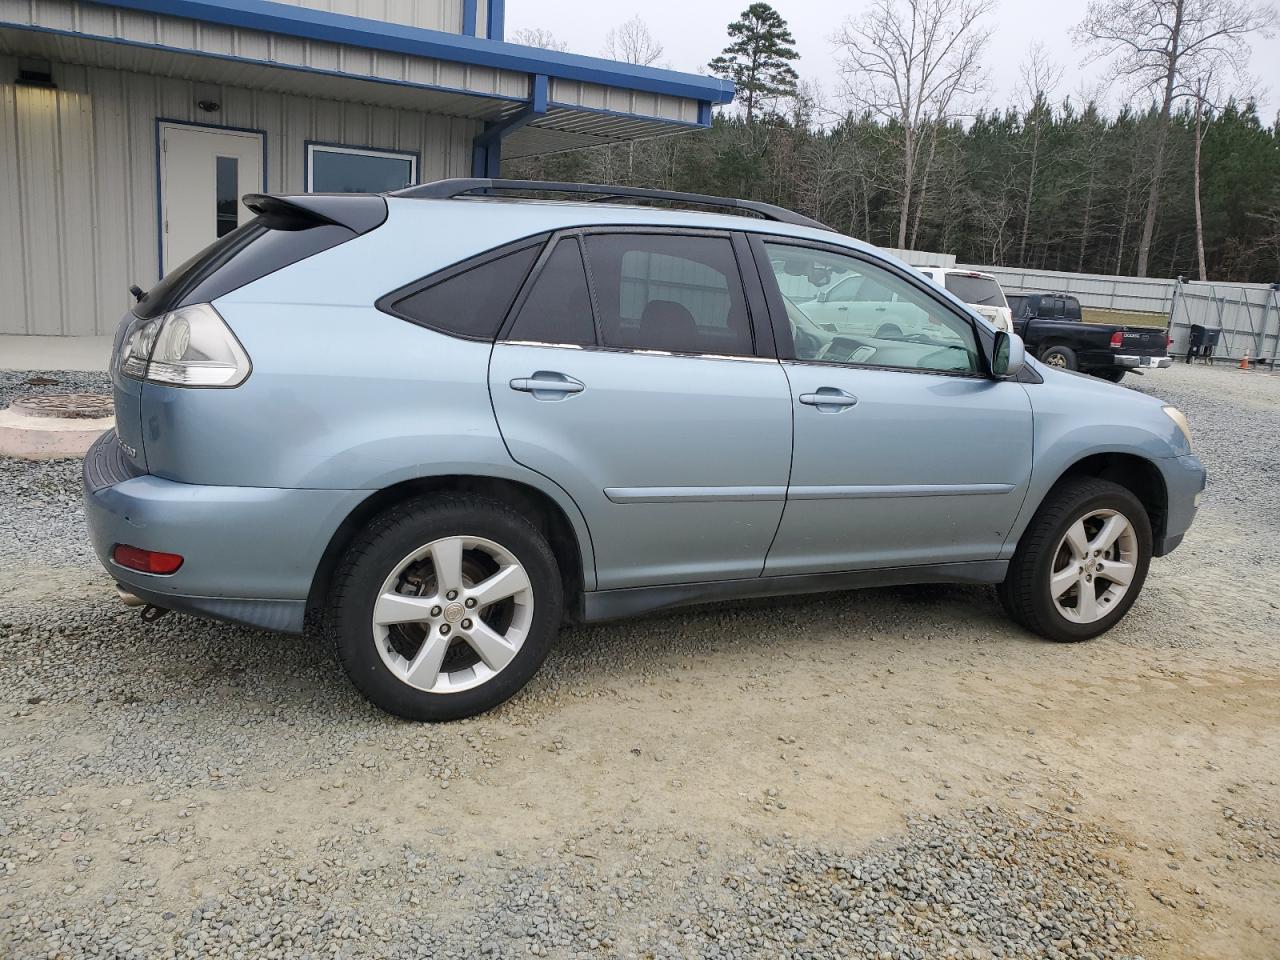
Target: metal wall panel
{"points": [[432, 14], [78, 207]]}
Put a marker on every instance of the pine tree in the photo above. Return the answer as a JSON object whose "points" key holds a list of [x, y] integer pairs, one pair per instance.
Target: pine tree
{"points": [[758, 60]]}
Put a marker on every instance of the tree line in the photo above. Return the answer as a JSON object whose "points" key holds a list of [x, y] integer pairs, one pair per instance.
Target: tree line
{"points": [[1188, 185]]}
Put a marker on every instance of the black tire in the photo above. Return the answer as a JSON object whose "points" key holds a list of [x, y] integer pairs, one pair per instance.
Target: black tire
{"points": [[1025, 593], [1059, 356], [391, 537], [1110, 374]]}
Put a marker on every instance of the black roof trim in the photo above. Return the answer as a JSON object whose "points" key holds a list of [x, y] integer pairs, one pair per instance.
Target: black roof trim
{"points": [[460, 186]]}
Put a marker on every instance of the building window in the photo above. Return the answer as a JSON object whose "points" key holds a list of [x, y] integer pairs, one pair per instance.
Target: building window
{"points": [[357, 170]]}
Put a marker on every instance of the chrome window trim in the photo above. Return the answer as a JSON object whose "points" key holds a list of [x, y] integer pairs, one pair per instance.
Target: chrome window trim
{"points": [[635, 352]]}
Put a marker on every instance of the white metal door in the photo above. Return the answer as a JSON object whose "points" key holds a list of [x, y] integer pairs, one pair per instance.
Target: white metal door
{"points": [[204, 171]]}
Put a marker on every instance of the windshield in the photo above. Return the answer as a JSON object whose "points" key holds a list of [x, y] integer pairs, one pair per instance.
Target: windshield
{"points": [[976, 289]]}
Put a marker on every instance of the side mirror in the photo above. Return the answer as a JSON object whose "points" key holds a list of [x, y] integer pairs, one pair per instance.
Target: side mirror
{"points": [[1008, 356]]}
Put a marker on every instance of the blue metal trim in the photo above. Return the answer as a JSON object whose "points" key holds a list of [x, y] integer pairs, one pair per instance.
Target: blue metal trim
{"points": [[321, 25], [469, 13], [704, 113], [308, 144], [496, 27], [486, 148], [160, 192]]}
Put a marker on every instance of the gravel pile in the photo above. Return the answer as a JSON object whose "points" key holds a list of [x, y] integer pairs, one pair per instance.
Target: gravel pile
{"points": [[984, 884], [40, 501]]}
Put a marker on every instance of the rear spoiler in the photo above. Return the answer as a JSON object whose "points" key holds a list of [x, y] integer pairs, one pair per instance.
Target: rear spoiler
{"points": [[358, 212]]}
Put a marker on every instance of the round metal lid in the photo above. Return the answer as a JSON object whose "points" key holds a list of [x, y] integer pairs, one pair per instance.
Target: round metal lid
{"points": [[67, 406]]}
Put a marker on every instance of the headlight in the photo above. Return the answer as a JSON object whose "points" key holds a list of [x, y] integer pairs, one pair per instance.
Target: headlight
{"points": [[1179, 418], [188, 347]]}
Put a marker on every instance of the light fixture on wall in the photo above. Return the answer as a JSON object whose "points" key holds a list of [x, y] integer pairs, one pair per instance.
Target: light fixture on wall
{"points": [[209, 106], [36, 73]]}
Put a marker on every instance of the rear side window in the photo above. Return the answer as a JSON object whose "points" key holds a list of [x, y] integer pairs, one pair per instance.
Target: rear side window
{"points": [[669, 292], [1071, 308], [468, 300], [558, 308]]}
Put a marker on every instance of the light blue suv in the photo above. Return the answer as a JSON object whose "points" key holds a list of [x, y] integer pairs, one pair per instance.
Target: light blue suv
{"points": [[438, 424]]}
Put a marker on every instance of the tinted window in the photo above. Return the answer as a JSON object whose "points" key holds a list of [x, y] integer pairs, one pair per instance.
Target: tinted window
{"points": [[1071, 308], [471, 300], [349, 171], [247, 253], [902, 327], [976, 290], [669, 292], [558, 308]]}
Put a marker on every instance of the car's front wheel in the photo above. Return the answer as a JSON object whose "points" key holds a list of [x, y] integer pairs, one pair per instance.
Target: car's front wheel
{"points": [[444, 607], [1081, 562]]}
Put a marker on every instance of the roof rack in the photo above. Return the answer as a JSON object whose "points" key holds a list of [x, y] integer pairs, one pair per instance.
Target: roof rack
{"points": [[461, 186]]}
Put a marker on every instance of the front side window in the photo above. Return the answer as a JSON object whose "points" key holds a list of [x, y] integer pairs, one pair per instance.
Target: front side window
{"points": [[891, 323], [358, 170], [681, 294]]}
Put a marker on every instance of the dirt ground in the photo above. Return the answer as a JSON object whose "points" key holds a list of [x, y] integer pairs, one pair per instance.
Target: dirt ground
{"points": [[825, 720]]}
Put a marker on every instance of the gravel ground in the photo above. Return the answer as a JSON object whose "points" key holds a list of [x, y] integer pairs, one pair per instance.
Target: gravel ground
{"points": [[892, 773]]}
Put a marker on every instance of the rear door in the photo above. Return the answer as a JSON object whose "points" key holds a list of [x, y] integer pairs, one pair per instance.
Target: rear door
{"points": [[650, 396]]}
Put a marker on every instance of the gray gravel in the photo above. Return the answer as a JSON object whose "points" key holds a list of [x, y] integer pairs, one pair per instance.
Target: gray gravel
{"points": [[127, 753], [40, 502]]}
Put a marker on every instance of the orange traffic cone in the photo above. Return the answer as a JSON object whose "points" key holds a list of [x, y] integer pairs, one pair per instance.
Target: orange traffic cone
{"points": [[1244, 361]]}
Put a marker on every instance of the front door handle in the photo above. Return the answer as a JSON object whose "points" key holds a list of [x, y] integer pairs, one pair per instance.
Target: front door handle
{"points": [[829, 399], [548, 385]]}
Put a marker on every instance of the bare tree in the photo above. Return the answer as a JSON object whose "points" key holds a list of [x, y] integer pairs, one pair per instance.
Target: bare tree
{"points": [[631, 42], [539, 37], [912, 62], [1163, 45], [1039, 76]]}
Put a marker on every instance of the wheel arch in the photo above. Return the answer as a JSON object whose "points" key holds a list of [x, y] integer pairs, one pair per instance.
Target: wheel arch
{"points": [[569, 541], [1137, 474]]}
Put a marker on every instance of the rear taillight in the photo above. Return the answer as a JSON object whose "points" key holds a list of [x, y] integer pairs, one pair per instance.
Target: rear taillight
{"points": [[1168, 341], [1117, 340], [145, 561], [188, 347]]}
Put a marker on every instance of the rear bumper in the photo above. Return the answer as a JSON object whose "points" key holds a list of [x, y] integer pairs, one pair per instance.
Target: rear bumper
{"points": [[1146, 363], [1184, 480], [250, 553]]}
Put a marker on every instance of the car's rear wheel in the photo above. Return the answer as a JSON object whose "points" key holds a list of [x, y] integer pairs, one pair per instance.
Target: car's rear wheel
{"points": [[444, 607], [1062, 357], [1081, 563]]}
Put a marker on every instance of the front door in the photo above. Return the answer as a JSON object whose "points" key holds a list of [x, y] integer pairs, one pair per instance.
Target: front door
{"points": [[906, 453], [658, 416], [204, 171]]}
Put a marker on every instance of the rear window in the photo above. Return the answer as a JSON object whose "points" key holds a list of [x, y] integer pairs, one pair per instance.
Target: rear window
{"points": [[468, 300], [976, 290], [247, 253]]}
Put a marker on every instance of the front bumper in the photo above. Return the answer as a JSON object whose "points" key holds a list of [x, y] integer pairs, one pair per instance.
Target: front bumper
{"points": [[250, 553], [1184, 481], [1146, 363]]}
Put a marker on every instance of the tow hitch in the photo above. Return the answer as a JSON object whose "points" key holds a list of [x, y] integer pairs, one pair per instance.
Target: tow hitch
{"points": [[150, 612]]}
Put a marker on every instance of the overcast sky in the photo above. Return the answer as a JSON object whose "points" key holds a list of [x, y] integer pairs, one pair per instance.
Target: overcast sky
{"points": [[693, 31]]}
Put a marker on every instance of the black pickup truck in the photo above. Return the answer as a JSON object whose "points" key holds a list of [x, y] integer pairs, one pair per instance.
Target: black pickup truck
{"points": [[1051, 326]]}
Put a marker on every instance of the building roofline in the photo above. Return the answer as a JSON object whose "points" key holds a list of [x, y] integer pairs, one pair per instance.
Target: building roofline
{"points": [[320, 25]]}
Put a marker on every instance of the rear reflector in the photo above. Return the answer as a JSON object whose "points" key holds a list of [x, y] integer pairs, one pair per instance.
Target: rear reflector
{"points": [[145, 561]]}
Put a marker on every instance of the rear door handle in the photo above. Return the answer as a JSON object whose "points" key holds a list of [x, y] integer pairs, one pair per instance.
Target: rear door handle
{"points": [[548, 385], [829, 399]]}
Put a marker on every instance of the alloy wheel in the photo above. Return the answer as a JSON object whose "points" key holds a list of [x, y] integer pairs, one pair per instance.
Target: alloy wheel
{"points": [[453, 614], [1093, 566]]}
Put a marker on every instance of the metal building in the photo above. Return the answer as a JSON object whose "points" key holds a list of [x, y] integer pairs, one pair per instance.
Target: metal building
{"points": [[129, 129]]}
